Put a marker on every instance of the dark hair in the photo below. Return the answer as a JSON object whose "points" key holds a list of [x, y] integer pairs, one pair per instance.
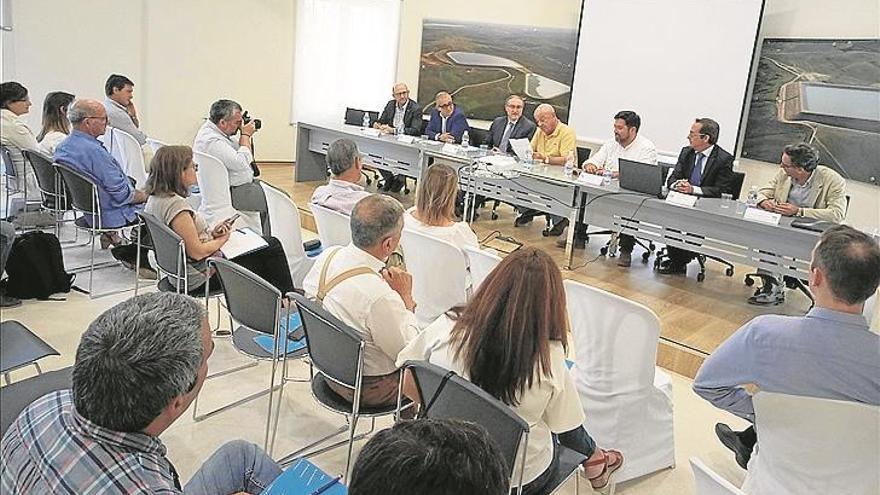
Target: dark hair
{"points": [[850, 260], [166, 167], [710, 128], [430, 457], [503, 335], [55, 113], [11, 92], [803, 155], [222, 109], [341, 156], [136, 357], [631, 118], [116, 81]]}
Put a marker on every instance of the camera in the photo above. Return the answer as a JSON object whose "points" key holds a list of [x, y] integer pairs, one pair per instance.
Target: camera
{"points": [[247, 120]]}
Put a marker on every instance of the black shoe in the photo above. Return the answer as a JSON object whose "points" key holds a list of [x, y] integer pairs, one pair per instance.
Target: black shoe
{"points": [[9, 301], [523, 219], [556, 230], [668, 267], [579, 242], [397, 184], [731, 440]]}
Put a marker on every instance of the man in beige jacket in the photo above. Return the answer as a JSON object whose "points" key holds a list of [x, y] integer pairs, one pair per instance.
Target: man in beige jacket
{"points": [[801, 188]]}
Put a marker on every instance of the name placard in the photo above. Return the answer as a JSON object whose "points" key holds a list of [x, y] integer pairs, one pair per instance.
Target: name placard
{"points": [[762, 216], [590, 179], [680, 199], [371, 132], [403, 138], [450, 148]]}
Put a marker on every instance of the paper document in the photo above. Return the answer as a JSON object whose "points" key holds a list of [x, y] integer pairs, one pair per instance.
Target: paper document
{"points": [[242, 241], [681, 199], [762, 216], [522, 148]]}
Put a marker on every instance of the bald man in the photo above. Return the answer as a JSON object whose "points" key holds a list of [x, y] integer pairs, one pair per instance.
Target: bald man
{"points": [[401, 115], [448, 122]]}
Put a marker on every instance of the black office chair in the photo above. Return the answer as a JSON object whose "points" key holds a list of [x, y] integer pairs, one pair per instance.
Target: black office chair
{"points": [[16, 397], [478, 137], [355, 116], [19, 347], [583, 153]]}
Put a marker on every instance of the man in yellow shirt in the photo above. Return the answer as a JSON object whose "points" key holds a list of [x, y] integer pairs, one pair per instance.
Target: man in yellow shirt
{"points": [[551, 145]]}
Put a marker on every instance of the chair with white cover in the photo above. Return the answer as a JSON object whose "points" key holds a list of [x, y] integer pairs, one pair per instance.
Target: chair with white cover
{"points": [[284, 220], [334, 228], [439, 274], [216, 204], [709, 482], [128, 152], [155, 144], [627, 400], [481, 263], [812, 445]]}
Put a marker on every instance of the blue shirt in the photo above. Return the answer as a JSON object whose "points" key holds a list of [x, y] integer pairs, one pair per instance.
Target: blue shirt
{"points": [[825, 354], [115, 192]]}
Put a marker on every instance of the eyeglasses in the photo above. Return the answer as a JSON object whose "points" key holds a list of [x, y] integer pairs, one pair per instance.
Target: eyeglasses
{"points": [[445, 105], [104, 118], [400, 93], [696, 134]]}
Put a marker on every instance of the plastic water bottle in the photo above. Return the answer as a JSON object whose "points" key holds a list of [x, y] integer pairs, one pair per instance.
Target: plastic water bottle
{"points": [[465, 140], [753, 196], [366, 121], [606, 177], [569, 164]]}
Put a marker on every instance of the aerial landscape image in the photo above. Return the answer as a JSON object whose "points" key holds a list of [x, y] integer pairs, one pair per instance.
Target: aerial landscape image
{"points": [[825, 92], [481, 64]]}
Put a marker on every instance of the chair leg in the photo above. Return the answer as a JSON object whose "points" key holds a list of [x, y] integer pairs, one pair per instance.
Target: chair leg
{"points": [[37, 366], [351, 431], [92, 265]]}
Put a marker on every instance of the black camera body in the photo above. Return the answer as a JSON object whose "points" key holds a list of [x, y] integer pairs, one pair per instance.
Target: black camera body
{"points": [[247, 120]]}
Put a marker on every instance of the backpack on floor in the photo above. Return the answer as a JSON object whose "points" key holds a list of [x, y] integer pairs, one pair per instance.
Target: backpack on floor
{"points": [[36, 267]]}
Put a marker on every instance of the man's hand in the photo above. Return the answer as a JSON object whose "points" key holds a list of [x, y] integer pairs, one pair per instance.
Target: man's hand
{"points": [[249, 129], [538, 157], [139, 197], [384, 128], [401, 282], [132, 112], [684, 187], [767, 204], [786, 209], [446, 138], [590, 168]]}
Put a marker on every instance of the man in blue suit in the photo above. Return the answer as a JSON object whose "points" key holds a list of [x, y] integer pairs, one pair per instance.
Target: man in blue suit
{"points": [[511, 126], [447, 122]]}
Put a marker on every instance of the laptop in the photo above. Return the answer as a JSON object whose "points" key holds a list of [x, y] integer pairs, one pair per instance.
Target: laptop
{"points": [[641, 177]]}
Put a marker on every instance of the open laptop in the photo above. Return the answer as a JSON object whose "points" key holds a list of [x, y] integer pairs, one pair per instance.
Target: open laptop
{"points": [[641, 177]]}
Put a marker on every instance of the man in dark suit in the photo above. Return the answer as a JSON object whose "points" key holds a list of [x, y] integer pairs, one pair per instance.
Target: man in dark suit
{"points": [[703, 169], [448, 122], [402, 115], [512, 126]]}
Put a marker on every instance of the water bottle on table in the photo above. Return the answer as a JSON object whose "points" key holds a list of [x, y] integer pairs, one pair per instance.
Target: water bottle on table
{"points": [[569, 164], [366, 120], [465, 140], [606, 177], [753, 196]]}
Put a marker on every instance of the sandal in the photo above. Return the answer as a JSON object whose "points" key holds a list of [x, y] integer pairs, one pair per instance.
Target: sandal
{"points": [[610, 461]]}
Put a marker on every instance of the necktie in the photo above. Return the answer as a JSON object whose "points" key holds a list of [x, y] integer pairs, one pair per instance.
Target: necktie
{"points": [[697, 173], [443, 125], [505, 138]]}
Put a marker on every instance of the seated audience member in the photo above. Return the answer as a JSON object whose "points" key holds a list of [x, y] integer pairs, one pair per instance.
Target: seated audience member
{"points": [[448, 122], [800, 188], [552, 143], [354, 285], [56, 127], [511, 126], [434, 211], [172, 174], [17, 136], [430, 457], [215, 138], [401, 115], [121, 112], [138, 367], [7, 237], [830, 353], [511, 340], [703, 169], [343, 190]]}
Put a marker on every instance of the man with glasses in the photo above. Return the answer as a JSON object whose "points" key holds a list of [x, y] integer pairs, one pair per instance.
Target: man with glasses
{"points": [[511, 126], [448, 122], [401, 115]]}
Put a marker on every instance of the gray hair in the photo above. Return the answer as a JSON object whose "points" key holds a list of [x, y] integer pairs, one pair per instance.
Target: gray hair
{"points": [[222, 109], [374, 218], [135, 358], [341, 155], [851, 262], [77, 112]]}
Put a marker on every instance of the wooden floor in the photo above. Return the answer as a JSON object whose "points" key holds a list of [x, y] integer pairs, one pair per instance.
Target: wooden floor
{"points": [[695, 316]]}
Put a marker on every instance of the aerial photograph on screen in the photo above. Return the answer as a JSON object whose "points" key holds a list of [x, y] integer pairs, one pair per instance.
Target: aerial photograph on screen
{"points": [[825, 92], [481, 64]]}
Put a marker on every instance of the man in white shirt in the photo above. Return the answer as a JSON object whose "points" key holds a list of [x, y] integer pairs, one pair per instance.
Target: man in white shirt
{"points": [[628, 144], [343, 190], [215, 138], [121, 112], [353, 284]]}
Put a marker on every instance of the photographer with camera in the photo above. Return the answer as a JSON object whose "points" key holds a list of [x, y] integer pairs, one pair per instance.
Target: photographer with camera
{"points": [[216, 138]]}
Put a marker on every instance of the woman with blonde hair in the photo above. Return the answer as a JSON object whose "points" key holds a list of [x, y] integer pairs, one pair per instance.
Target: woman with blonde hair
{"points": [[434, 211], [511, 341]]}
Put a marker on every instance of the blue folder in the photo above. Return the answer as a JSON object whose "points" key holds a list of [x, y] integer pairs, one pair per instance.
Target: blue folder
{"points": [[267, 342], [303, 478]]}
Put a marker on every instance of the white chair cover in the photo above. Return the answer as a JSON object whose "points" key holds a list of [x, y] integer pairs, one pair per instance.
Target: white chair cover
{"points": [[626, 399], [439, 272], [709, 482], [811, 445], [334, 228], [155, 144], [481, 263], [284, 219], [125, 148], [216, 204]]}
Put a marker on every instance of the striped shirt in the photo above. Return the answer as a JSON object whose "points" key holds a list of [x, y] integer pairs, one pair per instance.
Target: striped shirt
{"points": [[50, 448]]}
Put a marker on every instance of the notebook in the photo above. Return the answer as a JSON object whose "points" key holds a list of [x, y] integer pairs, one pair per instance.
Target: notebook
{"points": [[304, 478], [242, 241], [267, 342]]}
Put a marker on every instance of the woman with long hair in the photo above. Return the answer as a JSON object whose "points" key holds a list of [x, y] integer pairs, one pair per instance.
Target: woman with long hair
{"points": [[511, 341], [434, 211], [172, 174], [56, 127]]}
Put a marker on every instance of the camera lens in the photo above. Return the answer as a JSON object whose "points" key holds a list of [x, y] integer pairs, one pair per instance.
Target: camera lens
{"points": [[257, 124]]}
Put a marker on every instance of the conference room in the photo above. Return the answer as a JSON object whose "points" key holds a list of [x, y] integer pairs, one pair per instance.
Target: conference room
{"points": [[658, 180]]}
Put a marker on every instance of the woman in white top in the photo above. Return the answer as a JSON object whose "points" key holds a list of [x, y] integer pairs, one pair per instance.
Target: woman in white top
{"points": [[511, 340], [16, 135], [434, 212], [56, 127]]}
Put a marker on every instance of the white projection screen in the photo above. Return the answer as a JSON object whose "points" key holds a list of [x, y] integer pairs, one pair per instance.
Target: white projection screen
{"points": [[670, 61]]}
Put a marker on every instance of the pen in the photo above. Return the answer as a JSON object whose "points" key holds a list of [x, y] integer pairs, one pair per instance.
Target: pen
{"points": [[326, 486]]}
